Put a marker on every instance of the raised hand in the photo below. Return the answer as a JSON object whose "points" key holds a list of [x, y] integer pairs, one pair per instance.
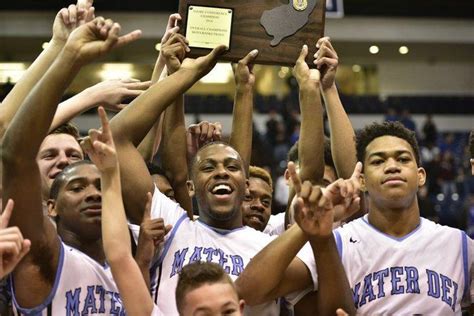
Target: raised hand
{"points": [[203, 65], [172, 26], [326, 60], [313, 211], [152, 233], [111, 93], [96, 38], [243, 71], [200, 134], [302, 72], [344, 195], [86, 5], [68, 19], [100, 146], [12, 245], [174, 51]]}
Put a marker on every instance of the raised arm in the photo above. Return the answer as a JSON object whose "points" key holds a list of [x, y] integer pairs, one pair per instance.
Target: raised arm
{"points": [[64, 23], [173, 144], [242, 124], [342, 133], [311, 142], [130, 126], [21, 174], [151, 143], [115, 237], [109, 93], [314, 212]]}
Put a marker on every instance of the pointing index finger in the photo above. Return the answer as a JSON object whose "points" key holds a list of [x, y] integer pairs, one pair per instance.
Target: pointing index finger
{"points": [[295, 178]]}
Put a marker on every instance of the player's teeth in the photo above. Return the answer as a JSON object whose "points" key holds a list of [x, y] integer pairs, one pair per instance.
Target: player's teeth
{"points": [[221, 187]]}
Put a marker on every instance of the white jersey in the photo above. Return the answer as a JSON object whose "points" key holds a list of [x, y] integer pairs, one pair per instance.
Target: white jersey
{"points": [[427, 272], [81, 287], [191, 241], [275, 225]]}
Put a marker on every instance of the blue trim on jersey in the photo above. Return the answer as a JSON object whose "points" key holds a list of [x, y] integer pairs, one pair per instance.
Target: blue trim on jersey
{"points": [[465, 263], [338, 238], [38, 309], [167, 244], [219, 230], [364, 219]]}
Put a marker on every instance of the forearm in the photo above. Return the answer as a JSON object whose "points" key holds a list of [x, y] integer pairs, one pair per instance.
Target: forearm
{"points": [[42, 101], [242, 125], [333, 287], [25, 85], [311, 142], [342, 142], [258, 283], [173, 152], [133, 123], [144, 267], [115, 236], [150, 144], [73, 107]]}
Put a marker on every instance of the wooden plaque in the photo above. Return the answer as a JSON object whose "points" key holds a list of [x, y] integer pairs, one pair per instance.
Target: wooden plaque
{"points": [[276, 29]]}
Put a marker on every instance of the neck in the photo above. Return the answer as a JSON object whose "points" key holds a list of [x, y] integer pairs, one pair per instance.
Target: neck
{"points": [[394, 221], [91, 247], [229, 224]]}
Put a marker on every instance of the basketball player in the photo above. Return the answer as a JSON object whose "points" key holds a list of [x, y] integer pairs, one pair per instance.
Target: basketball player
{"points": [[257, 205], [204, 287], [396, 261], [67, 275], [218, 182]]}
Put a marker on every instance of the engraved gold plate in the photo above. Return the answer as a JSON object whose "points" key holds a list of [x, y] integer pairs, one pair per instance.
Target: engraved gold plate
{"points": [[208, 27], [300, 5]]}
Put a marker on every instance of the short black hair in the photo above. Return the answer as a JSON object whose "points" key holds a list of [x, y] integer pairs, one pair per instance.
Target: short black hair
{"points": [[328, 161], [155, 169], [293, 153], [375, 130], [194, 160], [62, 177]]}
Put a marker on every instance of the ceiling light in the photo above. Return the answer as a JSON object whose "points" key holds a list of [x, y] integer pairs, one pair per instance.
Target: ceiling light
{"points": [[116, 71], [374, 49], [222, 73], [356, 68], [403, 50], [11, 72]]}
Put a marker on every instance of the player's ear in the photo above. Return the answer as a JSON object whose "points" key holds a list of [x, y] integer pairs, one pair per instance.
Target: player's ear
{"points": [[363, 188], [191, 190], [421, 177], [287, 176], [241, 306], [52, 208]]}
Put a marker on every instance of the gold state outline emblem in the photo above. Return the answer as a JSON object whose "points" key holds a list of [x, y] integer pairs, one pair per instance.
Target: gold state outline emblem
{"points": [[300, 5]]}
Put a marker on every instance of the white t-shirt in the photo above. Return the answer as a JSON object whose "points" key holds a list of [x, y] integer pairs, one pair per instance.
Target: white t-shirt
{"points": [[427, 272], [190, 241], [82, 287], [275, 225]]}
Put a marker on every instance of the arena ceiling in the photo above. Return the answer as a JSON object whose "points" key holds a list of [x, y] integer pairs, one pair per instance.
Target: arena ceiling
{"points": [[407, 8]]}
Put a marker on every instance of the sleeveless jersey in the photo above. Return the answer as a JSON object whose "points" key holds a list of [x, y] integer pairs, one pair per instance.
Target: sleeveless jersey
{"points": [[427, 272], [191, 241], [81, 287]]}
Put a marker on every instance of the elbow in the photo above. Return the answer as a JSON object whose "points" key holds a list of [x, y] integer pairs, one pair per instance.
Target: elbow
{"points": [[251, 295]]}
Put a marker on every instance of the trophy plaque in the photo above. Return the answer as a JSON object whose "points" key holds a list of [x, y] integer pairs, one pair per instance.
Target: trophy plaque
{"points": [[277, 30]]}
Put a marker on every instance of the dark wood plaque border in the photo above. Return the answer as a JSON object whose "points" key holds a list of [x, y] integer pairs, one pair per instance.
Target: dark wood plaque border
{"points": [[248, 33]]}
